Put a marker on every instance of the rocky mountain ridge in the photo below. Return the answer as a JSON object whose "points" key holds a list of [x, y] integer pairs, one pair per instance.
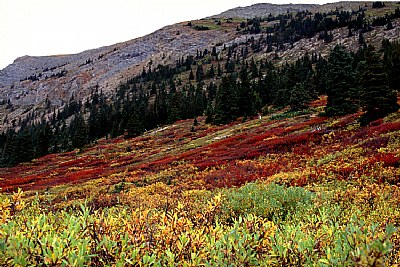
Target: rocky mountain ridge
{"points": [[264, 9], [31, 83], [105, 62]]}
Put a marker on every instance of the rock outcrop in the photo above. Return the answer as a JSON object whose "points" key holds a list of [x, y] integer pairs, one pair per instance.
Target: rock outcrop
{"points": [[31, 83]]}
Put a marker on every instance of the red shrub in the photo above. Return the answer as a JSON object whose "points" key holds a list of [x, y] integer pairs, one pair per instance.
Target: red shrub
{"points": [[388, 159], [228, 141], [377, 129], [384, 128], [346, 120], [322, 101], [231, 175], [301, 181], [74, 163], [375, 143], [83, 174], [265, 135]]}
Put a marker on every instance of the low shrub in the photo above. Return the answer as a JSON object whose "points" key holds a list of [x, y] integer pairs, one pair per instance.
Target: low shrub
{"points": [[271, 201]]}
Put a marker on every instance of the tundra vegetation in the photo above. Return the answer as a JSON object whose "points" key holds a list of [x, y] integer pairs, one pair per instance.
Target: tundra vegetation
{"points": [[290, 188], [223, 159]]}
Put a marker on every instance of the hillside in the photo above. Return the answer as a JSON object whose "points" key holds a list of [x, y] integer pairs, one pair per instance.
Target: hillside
{"points": [[221, 68], [242, 139], [262, 10], [297, 139], [40, 87], [326, 193], [29, 81]]}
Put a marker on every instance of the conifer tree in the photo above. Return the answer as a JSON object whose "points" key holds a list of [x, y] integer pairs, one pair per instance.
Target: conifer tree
{"points": [[245, 95], [199, 102], [340, 83], [199, 73], [300, 95], [254, 69], [285, 81], [320, 75], [209, 114], [134, 127], [97, 128], [78, 132], [191, 75], [219, 70], [43, 137], [174, 109], [377, 99], [211, 72], [392, 63], [226, 108], [8, 156], [160, 106]]}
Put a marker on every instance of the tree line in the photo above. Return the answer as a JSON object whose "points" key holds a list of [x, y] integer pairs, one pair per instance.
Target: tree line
{"points": [[224, 86], [293, 27]]}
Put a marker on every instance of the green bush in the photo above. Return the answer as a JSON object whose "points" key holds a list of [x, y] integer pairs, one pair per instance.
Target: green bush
{"points": [[272, 201], [304, 231], [290, 114]]}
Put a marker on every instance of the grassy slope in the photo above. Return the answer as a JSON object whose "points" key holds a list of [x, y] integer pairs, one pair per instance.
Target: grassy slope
{"points": [[286, 189], [308, 143], [348, 169]]}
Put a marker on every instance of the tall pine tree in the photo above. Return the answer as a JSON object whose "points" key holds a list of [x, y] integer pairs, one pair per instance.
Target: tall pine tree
{"points": [[226, 104], [78, 130], [134, 126], [245, 94], [377, 99], [392, 63], [341, 83]]}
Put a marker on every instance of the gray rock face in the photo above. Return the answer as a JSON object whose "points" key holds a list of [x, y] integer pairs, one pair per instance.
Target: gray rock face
{"points": [[263, 10], [30, 80]]}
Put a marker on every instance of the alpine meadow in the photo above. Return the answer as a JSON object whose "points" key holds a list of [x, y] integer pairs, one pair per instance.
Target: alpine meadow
{"points": [[267, 135]]}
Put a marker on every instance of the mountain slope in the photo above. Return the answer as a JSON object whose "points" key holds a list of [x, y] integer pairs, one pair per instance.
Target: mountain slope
{"points": [[296, 137], [30, 80], [255, 150], [247, 66], [29, 84], [322, 184], [262, 10]]}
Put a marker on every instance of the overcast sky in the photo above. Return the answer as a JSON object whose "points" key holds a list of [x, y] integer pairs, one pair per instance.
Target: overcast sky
{"points": [[49, 27]]}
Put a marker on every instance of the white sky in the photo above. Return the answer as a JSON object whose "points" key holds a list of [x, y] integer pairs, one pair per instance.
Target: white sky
{"points": [[49, 27]]}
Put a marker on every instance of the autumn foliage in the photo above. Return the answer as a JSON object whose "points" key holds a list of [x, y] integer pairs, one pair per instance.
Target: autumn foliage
{"points": [[295, 190]]}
